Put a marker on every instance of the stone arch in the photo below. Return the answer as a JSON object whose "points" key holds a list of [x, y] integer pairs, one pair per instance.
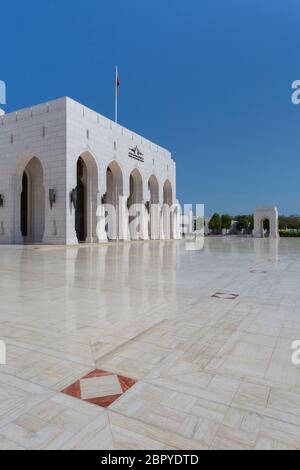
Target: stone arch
{"points": [[168, 193], [263, 214], [29, 200], [87, 186], [135, 187], [153, 187]]}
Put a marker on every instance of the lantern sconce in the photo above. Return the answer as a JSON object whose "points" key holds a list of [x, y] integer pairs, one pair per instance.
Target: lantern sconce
{"points": [[1, 200], [73, 197], [104, 198], [52, 197]]}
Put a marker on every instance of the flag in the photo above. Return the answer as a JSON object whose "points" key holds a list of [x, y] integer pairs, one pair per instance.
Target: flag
{"points": [[117, 81]]}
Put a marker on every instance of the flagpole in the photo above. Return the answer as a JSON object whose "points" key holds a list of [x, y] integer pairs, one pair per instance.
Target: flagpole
{"points": [[116, 108], [116, 96]]}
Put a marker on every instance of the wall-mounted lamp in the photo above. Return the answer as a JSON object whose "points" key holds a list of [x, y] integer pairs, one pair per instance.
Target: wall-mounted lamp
{"points": [[1, 200], [73, 197], [52, 197], [104, 198], [147, 204]]}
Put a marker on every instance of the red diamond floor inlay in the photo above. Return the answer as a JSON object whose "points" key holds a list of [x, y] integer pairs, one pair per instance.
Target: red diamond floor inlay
{"points": [[99, 387], [224, 295]]}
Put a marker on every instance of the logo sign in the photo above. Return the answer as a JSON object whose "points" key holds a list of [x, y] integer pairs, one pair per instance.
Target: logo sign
{"points": [[2, 92], [136, 154]]}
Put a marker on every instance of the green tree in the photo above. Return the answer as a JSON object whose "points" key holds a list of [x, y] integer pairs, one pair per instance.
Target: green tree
{"points": [[199, 223], [244, 223], [215, 223], [251, 220], [289, 222], [226, 221]]}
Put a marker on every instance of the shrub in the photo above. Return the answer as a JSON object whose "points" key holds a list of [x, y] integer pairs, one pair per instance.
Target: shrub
{"points": [[289, 233]]}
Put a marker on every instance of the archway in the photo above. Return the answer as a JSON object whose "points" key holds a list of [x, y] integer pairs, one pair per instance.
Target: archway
{"points": [[266, 222], [86, 198], [167, 214], [135, 197], [114, 189], [153, 225], [265, 228], [32, 202], [81, 200]]}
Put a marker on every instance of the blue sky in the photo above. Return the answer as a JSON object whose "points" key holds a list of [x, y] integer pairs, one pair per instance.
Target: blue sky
{"points": [[208, 79]]}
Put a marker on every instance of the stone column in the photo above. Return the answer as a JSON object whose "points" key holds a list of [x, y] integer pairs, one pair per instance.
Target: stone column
{"points": [[101, 219], [161, 222], [176, 221], [89, 209], [154, 221], [144, 217], [160, 211], [123, 219], [167, 221], [55, 216]]}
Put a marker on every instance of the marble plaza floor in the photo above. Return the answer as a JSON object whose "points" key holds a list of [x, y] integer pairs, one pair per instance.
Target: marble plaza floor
{"points": [[149, 346]]}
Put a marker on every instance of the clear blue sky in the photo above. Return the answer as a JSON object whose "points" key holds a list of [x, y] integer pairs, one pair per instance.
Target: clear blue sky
{"points": [[208, 79]]}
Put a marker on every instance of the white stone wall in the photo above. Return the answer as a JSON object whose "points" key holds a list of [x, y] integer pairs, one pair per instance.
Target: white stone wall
{"points": [[39, 131], [57, 133]]}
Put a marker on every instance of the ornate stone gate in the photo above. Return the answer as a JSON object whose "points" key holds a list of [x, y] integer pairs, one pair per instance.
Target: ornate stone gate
{"points": [[261, 214]]}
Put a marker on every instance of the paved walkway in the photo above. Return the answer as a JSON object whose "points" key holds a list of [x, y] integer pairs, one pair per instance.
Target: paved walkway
{"points": [[146, 345]]}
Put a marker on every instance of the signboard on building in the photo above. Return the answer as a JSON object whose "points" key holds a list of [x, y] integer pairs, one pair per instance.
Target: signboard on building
{"points": [[136, 154]]}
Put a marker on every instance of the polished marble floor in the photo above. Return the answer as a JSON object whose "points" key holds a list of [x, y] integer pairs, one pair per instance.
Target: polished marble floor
{"points": [[201, 338]]}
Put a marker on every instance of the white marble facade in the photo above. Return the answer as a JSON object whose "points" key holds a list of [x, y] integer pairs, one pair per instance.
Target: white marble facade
{"points": [[51, 149], [262, 214]]}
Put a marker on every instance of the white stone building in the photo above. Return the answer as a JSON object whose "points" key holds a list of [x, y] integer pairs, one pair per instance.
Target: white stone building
{"points": [[62, 165], [267, 214]]}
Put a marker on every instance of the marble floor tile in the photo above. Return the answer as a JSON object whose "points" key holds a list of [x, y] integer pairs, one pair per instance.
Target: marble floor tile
{"points": [[33, 433], [229, 438], [204, 372], [144, 432], [95, 436], [6, 444], [99, 387]]}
